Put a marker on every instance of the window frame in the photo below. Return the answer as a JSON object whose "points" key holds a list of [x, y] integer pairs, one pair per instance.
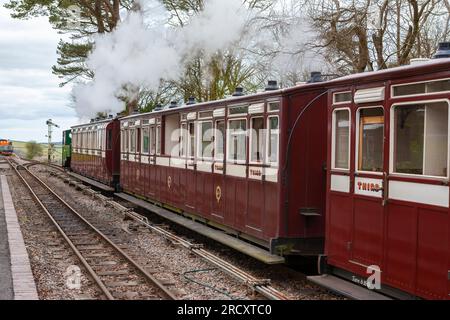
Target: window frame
{"points": [[123, 146], [333, 139], [189, 141], [264, 154], [146, 127], [158, 139], [418, 94], [342, 102], [199, 139], [228, 132], [357, 139], [392, 140], [269, 102], [130, 138], [237, 115], [183, 139], [152, 135], [224, 140], [127, 142]]}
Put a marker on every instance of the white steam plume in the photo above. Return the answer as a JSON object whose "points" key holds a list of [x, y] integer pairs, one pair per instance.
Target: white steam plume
{"points": [[139, 55]]}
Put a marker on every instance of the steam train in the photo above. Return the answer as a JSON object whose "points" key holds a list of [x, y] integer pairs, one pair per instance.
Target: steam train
{"points": [[6, 147], [354, 170]]}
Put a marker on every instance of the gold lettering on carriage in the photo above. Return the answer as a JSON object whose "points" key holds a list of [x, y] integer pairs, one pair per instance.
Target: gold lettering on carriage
{"points": [[365, 186], [255, 172]]}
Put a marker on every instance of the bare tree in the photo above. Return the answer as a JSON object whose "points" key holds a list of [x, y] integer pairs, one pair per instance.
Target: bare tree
{"points": [[359, 35]]}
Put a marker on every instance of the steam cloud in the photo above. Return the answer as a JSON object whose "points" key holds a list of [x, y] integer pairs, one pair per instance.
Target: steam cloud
{"points": [[139, 55]]}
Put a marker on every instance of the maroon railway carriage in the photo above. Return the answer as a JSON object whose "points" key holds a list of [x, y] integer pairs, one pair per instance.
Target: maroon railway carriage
{"points": [[253, 166], [95, 150], [388, 183]]}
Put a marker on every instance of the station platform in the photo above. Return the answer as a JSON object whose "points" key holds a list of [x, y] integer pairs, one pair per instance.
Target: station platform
{"points": [[16, 278]]}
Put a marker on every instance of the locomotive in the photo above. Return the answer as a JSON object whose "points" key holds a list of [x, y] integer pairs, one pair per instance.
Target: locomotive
{"points": [[6, 147], [353, 170]]}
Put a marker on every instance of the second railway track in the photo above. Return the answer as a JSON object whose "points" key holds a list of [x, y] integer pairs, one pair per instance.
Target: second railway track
{"points": [[117, 275], [257, 285]]}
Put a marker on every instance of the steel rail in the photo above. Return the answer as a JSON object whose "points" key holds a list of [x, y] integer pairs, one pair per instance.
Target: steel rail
{"points": [[94, 276], [261, 286], [152, 279]]}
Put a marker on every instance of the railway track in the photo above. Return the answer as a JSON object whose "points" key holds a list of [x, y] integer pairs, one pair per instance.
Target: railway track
{"points": [[117, 275], [262, 286]]}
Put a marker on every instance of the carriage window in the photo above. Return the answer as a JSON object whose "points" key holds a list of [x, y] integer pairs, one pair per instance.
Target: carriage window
{"points": [[152, 140], [258, 140], [183, 140], [205, 139], [132, 140], [125, 141], [205, 114], [219, 139], [371, 138], [343, 97], [138, 140], [158, 140], [109, 139], [438, 86], [273, 106], [237, 141], [341, 139], [191, 143], [145, 140], [421, 139], [274, 134], [240, 110], [421, 88], [410, 89]]}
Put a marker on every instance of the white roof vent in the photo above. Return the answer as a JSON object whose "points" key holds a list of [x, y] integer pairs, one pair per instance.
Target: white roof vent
{"points": [[369, 95]]}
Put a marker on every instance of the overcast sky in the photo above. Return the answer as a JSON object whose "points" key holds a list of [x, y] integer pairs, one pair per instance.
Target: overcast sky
{"points": [[29, 92]]}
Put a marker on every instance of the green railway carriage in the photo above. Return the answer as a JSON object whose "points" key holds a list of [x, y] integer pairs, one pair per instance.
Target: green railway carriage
{"points": [[66, 148]]}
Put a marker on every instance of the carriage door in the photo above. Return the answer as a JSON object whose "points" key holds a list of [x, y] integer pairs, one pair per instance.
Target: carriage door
{"points": [[190, 200], [366, 246]]}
